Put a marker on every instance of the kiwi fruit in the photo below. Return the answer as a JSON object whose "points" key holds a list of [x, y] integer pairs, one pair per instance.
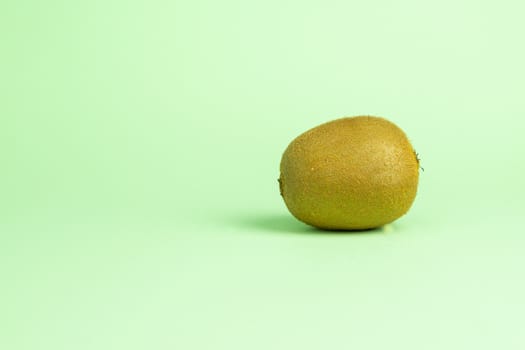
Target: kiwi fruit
{"points": [[352, 173]]}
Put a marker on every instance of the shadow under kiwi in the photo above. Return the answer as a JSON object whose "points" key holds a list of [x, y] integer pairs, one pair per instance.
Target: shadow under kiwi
{"points": [[285, 223]]}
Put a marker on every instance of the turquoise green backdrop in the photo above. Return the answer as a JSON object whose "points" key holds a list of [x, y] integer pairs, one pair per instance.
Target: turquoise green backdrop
{"points": [[140, 143]]}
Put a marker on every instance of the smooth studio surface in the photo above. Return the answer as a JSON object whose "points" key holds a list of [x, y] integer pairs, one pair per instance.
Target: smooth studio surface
{"points": [[140, 144]]}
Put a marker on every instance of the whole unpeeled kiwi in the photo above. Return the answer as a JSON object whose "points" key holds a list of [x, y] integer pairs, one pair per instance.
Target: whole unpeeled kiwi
{"points": [[351, 173]]}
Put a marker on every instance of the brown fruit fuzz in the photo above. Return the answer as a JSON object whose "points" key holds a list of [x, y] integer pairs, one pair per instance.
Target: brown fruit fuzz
{"points": [[352, 173]]}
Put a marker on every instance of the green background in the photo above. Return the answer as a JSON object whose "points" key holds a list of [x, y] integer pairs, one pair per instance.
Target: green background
{"points": [[140, 143]]}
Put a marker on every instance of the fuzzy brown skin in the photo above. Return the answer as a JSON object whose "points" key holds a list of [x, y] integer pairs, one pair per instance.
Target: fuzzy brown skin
{"points": [[352, 173]]}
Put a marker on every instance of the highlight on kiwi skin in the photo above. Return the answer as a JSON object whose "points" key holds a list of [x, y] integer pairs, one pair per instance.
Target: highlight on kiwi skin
{"points": [[352, 173]]}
